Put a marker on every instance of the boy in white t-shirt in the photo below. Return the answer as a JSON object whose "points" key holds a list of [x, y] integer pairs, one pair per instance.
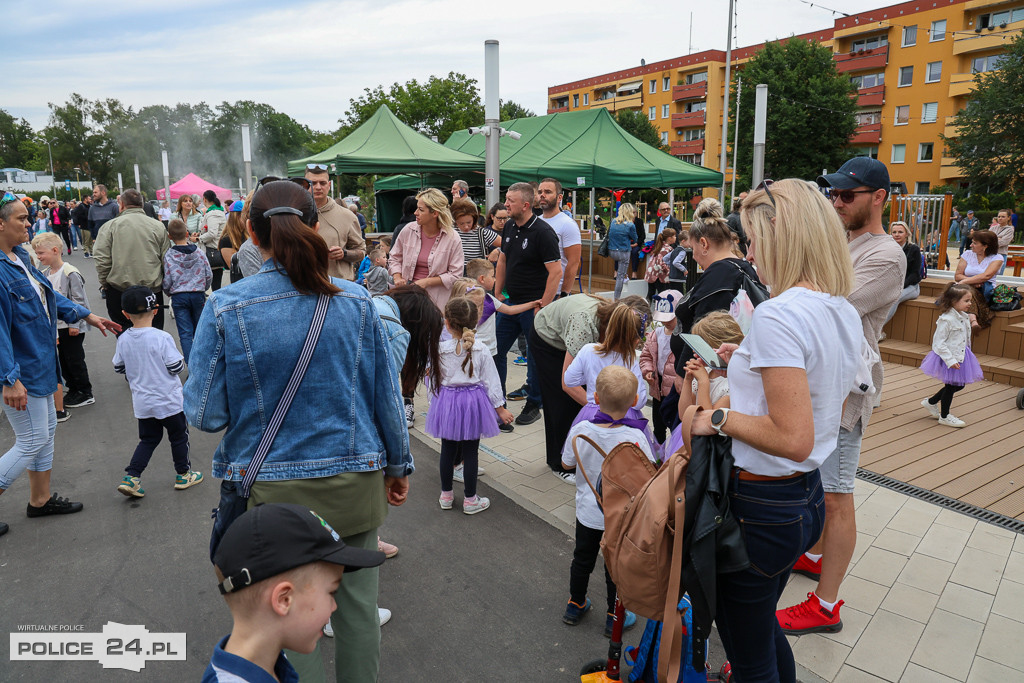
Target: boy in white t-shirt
{"points": [[615, 392], [151, 362]]}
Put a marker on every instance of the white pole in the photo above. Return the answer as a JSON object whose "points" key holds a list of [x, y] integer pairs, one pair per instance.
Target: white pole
{"points": [[725, 103], [167, 176], [593, 231], [760, 125], [138, 185], [492, 114], [736, 136], [120, 184], [247, 158]]}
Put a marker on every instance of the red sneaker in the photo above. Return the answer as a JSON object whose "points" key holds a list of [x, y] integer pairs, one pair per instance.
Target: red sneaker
{"points": [[809, 617], [809, 569]]}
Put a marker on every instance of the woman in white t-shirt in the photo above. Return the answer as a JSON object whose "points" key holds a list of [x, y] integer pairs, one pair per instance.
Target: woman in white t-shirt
{"points": [[788, 380]]}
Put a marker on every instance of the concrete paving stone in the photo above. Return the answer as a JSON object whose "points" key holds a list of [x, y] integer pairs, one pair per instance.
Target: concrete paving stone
{"points": [[912, 521], [862, 594], [854, 623], [985, 538], [864, 542], [915, 673], [930, 509], [986, 671], [1009, 600], [966, 602], [943, 542], [886, 646], [796, 590], [546, 501], [859, 499], [1001, 643], [514, 479], [821, 656], [495, 468], [956, 520], [948, 644], [897, 541], [872, 520], [1018, 544], [880, 566], [884, 498], [1014, 570], [566, 513], [979, 570], [862, 487], [911, 602], [849, 674], [926, 573]]}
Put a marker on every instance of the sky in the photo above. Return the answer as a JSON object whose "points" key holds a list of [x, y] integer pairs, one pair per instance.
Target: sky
{"points": [[309, 58]]}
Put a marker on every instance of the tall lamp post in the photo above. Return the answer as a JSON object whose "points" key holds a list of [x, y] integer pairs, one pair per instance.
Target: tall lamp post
{"points": [[53, 177], [78, 185]]}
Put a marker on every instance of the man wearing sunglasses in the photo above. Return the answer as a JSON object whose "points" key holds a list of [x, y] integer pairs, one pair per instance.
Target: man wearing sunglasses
{"points": [[858, 191], [338, 226]]}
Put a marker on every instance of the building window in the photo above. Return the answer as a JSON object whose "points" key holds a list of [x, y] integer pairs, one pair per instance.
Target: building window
{"points": [[665, 111], [695, 106], [665, 85], [586, 98], [865, 152], [938, 31], [575, 101], [929, 112], [696, 78], [933, 72], [664, 138], [869, 117], [983, 64], [923, 188], [692, 158], [924, 152], [902, 115], [654, 86], [868, 80], [869, 43], [898, 153], [1005, 16], [909, 36], [906, 76], [691, 134], [651, 115]]}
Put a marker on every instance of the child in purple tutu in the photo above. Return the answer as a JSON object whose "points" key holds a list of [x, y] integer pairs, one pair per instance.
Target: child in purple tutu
{"points": [[950, 361], [462, 410]]}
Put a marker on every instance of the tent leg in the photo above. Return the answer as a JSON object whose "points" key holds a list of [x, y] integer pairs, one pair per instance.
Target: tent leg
{"points": [[593, 231]]}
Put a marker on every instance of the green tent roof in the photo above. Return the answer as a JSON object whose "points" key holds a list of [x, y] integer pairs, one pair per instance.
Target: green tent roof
{"points": [[587, 146], [383, 144]]}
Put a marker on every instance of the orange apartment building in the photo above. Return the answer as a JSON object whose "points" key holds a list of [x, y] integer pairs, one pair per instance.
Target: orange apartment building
{"points": [[915, 64]]}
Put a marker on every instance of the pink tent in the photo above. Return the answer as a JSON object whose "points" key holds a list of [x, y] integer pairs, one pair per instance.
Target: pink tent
{"points": [[193, 184]]}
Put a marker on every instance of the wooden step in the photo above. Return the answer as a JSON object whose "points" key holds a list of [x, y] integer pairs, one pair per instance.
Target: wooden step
{"points": [[996, 368]]}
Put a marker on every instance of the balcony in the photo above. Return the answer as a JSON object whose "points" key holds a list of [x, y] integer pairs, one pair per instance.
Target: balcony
{"points": [[558, 110], [871, 97], [688, 120], [950, 130], [693, 91], [861, 60], [687, 147], [949, 170], [861, 29], [981, 4], [867, 134], [965, 42], [614, 104], [961, 84]]}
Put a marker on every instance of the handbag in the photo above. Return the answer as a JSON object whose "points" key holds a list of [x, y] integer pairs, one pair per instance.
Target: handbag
{"points": [[215, 258], [602, 249], [234, 495], [756, 292]]}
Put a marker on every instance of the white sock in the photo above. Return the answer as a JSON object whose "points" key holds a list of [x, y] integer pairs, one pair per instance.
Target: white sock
{"points": [[830, 606], [812, 557]]}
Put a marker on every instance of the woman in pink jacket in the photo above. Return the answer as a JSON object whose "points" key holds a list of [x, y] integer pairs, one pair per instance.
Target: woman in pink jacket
{"points": [[428, 253]]}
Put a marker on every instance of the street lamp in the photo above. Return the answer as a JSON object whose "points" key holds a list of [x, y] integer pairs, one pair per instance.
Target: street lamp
{"points": [[53, 177], [78, 185]]}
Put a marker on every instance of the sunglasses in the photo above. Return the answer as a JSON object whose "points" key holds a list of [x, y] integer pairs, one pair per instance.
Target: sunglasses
{"points": [[846, 196], [8, 198], [764, 185], [298, 180], [316, 167]]}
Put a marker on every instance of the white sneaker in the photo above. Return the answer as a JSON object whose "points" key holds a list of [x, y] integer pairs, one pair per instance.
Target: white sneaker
{"points": [[932, 408], [329, 630], [384, 615], [461, 478], [410, 415], [952, 420], [569, 477], [478, 505]]}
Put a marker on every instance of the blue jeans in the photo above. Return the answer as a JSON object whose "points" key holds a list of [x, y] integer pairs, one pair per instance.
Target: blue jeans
{"points": [[507, 329], [954, 229], [187, 307], [780, 520], [76, 236], [33, 439], [621, 260]]}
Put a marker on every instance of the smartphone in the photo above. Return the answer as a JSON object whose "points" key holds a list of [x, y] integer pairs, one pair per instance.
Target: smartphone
{"points": [[704, 351]]}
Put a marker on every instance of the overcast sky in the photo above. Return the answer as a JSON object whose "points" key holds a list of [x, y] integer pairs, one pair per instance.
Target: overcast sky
{"points": [[309, 58]]}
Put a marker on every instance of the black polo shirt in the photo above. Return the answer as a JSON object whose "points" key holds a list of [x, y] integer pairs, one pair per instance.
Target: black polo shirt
{"points": [[527, 250]]}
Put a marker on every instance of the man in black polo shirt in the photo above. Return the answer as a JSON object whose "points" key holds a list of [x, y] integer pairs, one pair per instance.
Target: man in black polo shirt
{"points": [[529, 268]]}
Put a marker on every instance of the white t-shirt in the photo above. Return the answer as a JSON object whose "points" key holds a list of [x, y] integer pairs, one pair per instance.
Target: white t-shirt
{"points": [[568, 235], [164, 213], [799, 328], [587, 511], [588, 364], [719, 388], [151, 361]]}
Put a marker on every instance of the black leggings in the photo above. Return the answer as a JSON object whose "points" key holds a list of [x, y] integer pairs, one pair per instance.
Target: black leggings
{"points": [[454, 453], [584, 559], [944, 397]]}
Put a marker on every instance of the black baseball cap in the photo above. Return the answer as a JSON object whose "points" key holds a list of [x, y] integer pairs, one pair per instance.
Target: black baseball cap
{"points": [[857, 172], [272, 538], [138, 299]]}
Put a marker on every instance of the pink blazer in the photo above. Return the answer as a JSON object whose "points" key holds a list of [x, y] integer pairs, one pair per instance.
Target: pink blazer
{"points": [[445, 260]]}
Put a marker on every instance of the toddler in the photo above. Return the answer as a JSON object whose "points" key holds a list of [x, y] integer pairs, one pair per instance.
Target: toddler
{"points": [[657, 362], [377, 279], [951, 361], [187, 276], [658, 266]]}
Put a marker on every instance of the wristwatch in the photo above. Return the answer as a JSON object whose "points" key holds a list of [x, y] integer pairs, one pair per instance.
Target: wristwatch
{"points": [[718, 419]]}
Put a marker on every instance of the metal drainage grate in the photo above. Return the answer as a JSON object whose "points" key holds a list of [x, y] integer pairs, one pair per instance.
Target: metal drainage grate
{"points": [[1015, 525]]}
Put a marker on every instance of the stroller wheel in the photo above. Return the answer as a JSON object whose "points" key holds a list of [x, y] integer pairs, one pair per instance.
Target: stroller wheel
{"points": [[1020, 400], [593, 667]]}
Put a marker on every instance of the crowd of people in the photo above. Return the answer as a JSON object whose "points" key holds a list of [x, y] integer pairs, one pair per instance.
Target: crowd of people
{"points": [[439, 304]]}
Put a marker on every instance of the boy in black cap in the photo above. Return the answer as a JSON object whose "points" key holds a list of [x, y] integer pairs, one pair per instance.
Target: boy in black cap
{"points": [[279, 565], [151, 362]]}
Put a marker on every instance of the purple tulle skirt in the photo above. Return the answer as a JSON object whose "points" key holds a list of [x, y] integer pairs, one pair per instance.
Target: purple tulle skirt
{"points": [[461, 413], [674, 441], [969, 371], [590, 410]]}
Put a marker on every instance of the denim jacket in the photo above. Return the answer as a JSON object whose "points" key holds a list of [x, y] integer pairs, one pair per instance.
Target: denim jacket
{"points": [[347, 415], [28, 348]]}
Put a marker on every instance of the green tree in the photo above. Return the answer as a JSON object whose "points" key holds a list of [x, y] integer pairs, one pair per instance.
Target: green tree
{"points": [[640, 127], [810, 111], [16, 145], [989, 147], [276, 137], [509, 110], [438, 107]]}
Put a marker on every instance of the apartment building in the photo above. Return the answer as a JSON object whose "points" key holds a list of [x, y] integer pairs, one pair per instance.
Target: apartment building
{"points": [[915, 65]]}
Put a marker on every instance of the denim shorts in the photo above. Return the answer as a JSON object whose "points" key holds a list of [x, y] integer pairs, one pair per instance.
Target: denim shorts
{"points": [[839, 471]]}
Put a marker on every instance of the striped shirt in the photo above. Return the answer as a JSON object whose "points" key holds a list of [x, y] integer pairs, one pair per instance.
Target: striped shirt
{"points": [[471, 242]]}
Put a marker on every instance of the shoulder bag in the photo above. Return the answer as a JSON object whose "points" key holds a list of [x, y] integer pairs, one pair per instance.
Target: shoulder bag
{"points": [[234, 495]]}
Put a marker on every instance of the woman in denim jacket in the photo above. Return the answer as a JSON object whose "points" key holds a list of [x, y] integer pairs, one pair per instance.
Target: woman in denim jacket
{"points": [[342, 449], [29, 309]]}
